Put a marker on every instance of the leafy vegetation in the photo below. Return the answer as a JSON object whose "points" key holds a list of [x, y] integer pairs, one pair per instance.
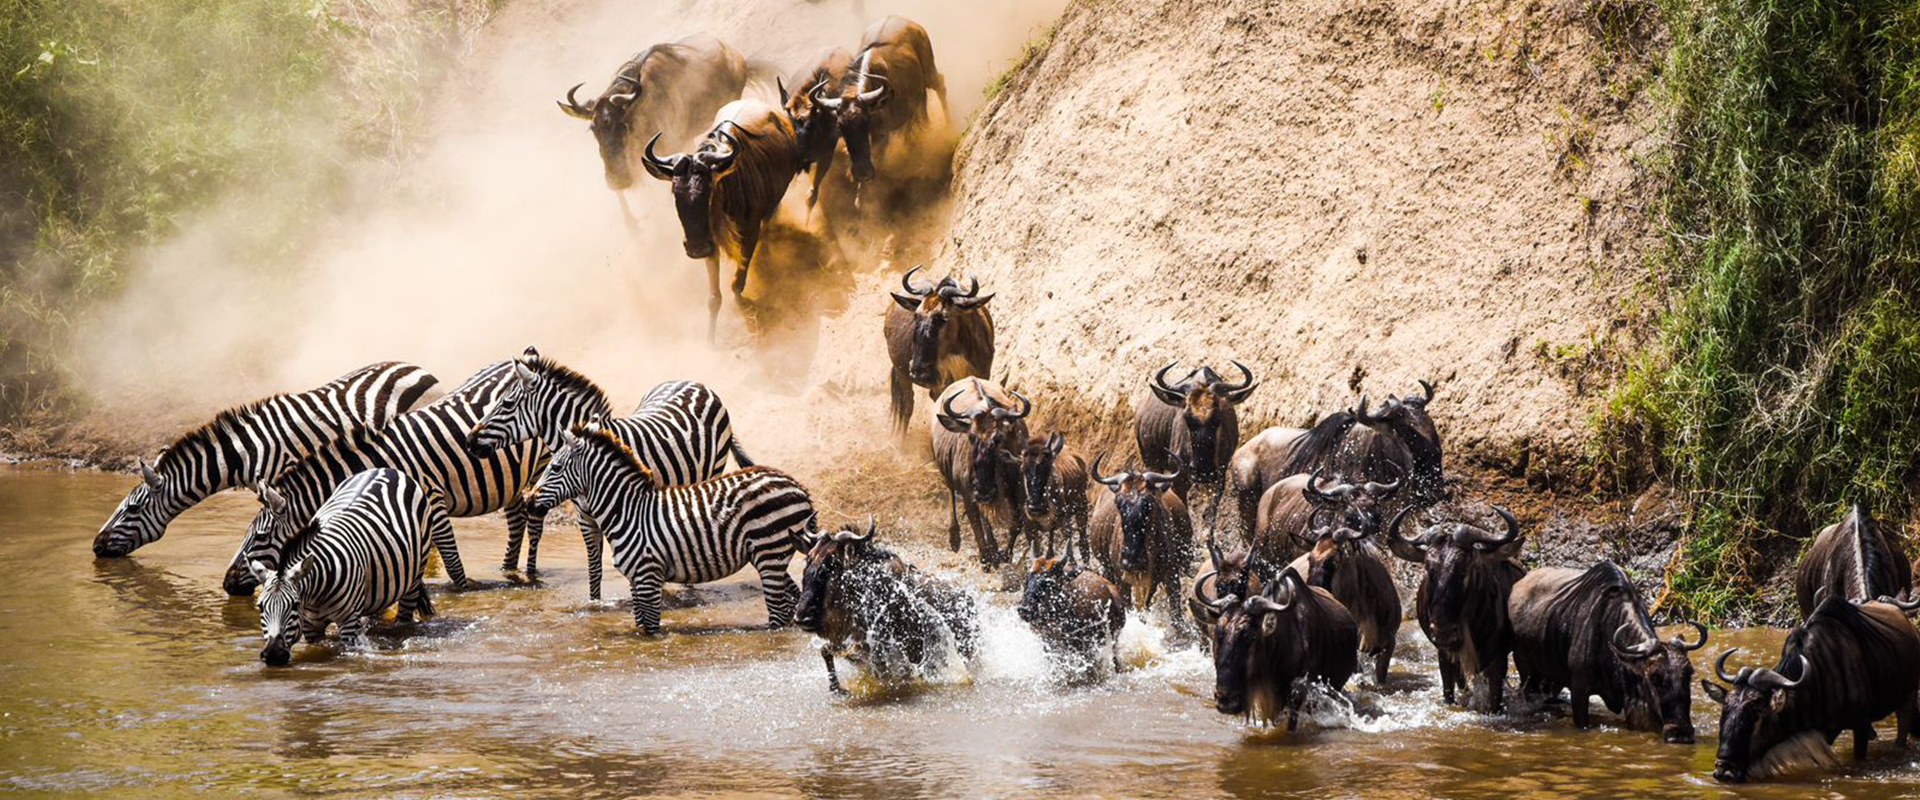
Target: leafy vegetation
{"points": [[1784, 379]]}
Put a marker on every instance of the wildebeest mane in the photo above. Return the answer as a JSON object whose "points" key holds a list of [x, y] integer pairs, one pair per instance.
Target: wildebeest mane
{"points": [[1319, 444]]}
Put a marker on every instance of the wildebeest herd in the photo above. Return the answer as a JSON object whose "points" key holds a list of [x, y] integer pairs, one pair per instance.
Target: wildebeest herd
{"points": [[1276, 552]]}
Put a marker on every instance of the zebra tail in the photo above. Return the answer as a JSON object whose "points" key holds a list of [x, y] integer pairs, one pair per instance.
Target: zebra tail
{"points": [[739, 453]]}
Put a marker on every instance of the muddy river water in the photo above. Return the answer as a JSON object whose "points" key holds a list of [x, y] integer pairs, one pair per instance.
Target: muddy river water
{"points": [[138, 677]]}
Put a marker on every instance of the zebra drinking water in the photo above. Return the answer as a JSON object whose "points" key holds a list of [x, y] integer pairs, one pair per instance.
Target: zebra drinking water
{"points": [[684, 534], [681, 430], [364, 550], [430, 446], [250, 443]]}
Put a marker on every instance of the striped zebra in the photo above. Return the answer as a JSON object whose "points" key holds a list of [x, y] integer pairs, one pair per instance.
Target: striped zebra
{"points": [[366, 549], [430, 445], [684, 534], [250, 443], [681, 430]]}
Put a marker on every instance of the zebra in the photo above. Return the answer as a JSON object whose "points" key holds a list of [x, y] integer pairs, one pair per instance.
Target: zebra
{"points": [[364, 550], [684, 534], [252, 442], [681, 430], [430, 446]]}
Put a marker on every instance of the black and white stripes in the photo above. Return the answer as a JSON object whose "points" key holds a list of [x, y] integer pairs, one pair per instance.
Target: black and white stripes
{"points": [[684, 534], [254, 442], [365, 549]]}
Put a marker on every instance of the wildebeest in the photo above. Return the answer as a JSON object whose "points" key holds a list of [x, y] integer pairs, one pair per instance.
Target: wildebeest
{"points": [[1400, 440], [1054, 481], [1141, 533], [674, 88], [1846, 667], [814, 126], [935, 335], [728, 188], [1262, 647], [979, 431], [1587, 630], [1340, 562], [1191, 425], [1852, 559], [884, 96], [1289, 509], [1462, 601], [876, 611], [1076, 612]]}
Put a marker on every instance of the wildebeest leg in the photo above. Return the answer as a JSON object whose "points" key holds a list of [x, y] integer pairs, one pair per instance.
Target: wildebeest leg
{"points": [[1861, 736], [901, 391], [1293, 700], [591, 535], [833, 675], [983, 536], [1577, 698], [749, 241], [1905, 719], [1380, 662], [953, 521], [1496, 675], [713, 294], [1449, 677]]}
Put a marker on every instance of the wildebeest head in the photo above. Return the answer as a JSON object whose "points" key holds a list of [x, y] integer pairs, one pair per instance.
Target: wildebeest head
{"points": [[1036, 473], [695, 177], [815, 127], [279, 606], [1206, 403], [1450, 553], [1407, 419], [1044, 596], [1665, 673], [137, 522], [607, 117], [853, 115], [1354, 505], [993, 429], [1750, 717], [932, 308], [1242, 630], [1330, 550], [1136, 498], [829, 558]]}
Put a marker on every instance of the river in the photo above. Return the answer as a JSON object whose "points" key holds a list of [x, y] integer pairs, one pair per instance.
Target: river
{"points": [[138, 677]]}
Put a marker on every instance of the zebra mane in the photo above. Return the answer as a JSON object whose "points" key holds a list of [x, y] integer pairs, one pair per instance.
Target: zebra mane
{"points": [[610, 442], [209, 434], [567, 377]]}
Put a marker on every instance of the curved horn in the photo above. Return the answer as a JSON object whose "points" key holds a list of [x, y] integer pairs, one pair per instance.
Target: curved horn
{"points": [[1393, 528], [1489, 542], [1688, 648], [1905, 606], [656, 166], [1319, 496], [906, 282], [1386, 491], [1361, 416], [1313, 524], [781, 84], [1259, 604], [1630, 652], [1105, 480], [876, 94], [1238, 392], [721, 161], [622, 99], [1160, 477], [1026, 406], [873, 526], [1171, 394], [1222, 603], [1720, 667], [1764, 678], [1426, 395], [1210, 575], [573, 108]]}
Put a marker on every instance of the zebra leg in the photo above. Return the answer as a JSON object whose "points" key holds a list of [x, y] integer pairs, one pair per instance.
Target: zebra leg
{"points": [[777, 588], [515, 527], [590, 533], [415, 600], [645, 588], [440, 531], [353, 632], [534, 526]]}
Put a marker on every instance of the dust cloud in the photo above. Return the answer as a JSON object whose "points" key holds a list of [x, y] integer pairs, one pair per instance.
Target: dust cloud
{"points": [[500, 232]]}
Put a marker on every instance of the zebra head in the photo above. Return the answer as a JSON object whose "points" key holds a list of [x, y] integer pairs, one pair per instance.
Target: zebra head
{"points": [[138, 521], [279, 606], [269, 531], [565, 477], [511, 418]]}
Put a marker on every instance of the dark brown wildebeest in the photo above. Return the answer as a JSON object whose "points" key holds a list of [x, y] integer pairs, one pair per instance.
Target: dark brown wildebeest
{"points": [[729, 187], [935, 335], [1262, 647], [1338, 561], [1846, 667], [1191, 427], [884, 96], [1462, 601], [1237, 573], [816, 128], [1587, 630], [879, 613], [1852, 559], [1288, 509], [1400, 440], [674, 88], [1141, 533], [979, 431], [1054, 481], [1077, 613]]}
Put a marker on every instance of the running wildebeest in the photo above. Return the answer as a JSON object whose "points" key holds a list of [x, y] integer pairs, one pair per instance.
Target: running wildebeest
{"points": [[728, 188], [1263, 647], [1141, 533], [979, 431], [1076, 612], [1054, 480], [1588, 631], [814, 126], [674, 88], [1191, 426], [880, 613], [1338, 561], [1289, 510], [1852, 559], [1846, 667], [884, 97], [935, 335], [1462, 602]]}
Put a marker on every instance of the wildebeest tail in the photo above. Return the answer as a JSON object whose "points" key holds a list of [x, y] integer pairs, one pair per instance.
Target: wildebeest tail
{"points": [[739, 453]]}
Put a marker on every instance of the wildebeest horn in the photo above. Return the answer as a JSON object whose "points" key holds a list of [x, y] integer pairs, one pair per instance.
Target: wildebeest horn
{"points": [[1630, 652], [876, 94], [573, 107], [873, 526], [1221, 604], [1393, 528], [1209, 575], [1489, 542], [906, 283], [1313, 524], [1160, 477], [1026, 406], [1720, 668], [1105, 480], [781, 85], [823, 101], [1168, 393], [1426, 391], [950, 419], [1386, 491], [1319, 496], [657, 167], [622, 99], [1681, 643], [1764, 678], [1904, 605], [1361, 416], [1238, 392], [1213, 548], [721, 161]]}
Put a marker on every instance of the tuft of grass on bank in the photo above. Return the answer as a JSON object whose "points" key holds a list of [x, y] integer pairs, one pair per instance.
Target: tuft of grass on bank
{"points": [[1784, 380], [1029, 52]]}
